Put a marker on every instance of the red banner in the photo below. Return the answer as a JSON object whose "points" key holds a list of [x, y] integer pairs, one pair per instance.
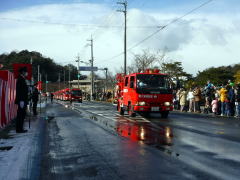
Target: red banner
{"points": [[16, 68], [8, 108]]}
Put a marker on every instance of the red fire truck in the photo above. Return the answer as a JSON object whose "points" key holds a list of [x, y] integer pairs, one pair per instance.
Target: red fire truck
{"points": [[144, 93], [65, 94], [75, 95], [69, 95]]}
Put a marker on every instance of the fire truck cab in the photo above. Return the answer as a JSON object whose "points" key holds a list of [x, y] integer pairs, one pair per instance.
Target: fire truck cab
{"points": [[76, 95], [148, 92]]}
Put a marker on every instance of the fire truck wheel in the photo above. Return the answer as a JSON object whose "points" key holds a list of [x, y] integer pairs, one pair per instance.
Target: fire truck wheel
{"points": [[131, 113], [164, 114]]}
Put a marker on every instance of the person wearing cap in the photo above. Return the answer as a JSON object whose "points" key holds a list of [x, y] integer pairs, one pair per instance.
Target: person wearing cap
{"points": [[21, 99]]}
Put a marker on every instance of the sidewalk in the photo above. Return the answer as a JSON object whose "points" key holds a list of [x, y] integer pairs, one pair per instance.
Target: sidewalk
{"points": [[203, 114], [18, 151]]}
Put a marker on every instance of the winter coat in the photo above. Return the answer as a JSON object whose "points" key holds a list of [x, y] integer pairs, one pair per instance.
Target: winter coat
{"points": [[231, 95], [237, 95], [21, 90], [190, 95], [223, 95], [197, 94], [35, 95], [214, 105], [183, 98]]}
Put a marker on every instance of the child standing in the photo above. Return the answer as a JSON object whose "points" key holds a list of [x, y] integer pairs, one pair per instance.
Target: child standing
{"points": [[214, 106]]}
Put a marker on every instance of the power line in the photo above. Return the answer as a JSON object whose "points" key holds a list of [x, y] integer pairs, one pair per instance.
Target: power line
{"points": [[71, 24], [105, 21], [161, 28]]}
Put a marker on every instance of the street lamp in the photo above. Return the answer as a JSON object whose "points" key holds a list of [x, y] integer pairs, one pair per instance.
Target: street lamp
{"points": [[69, 77]]}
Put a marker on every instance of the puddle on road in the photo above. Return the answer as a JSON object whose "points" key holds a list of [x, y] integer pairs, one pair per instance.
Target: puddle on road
{"points": [[160, 137], [5, 148], [144, 131]]}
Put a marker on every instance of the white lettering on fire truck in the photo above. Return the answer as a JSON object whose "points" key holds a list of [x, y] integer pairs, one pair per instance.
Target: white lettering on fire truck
{"points": [[147, 96], [125, 90]]}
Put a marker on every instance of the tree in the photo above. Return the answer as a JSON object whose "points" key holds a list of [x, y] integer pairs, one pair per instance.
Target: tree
{"points": [[73, 72], [217, 76], [237, 77], [143, 61], [175, 71], [47, 65]]}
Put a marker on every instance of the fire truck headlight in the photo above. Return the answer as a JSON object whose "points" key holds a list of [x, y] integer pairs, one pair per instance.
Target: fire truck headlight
{"points": [[167, 103], [142, 103]]}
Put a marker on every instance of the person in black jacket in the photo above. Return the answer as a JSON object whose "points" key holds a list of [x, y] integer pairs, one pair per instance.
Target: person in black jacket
{"points": [[21, 99], [231, 98], [35, 95]]}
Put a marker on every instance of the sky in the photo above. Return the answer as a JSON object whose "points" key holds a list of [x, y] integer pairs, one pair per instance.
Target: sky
{"points": [[60, 29]]}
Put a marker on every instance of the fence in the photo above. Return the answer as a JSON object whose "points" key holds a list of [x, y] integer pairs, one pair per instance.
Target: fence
{"points": [[8, 109]]}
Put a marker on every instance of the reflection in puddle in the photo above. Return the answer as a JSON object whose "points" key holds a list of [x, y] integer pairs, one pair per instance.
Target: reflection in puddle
{"points": [[144, 131]]}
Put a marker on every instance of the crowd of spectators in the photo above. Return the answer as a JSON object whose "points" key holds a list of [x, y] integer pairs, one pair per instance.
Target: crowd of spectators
{"points": [[221, 100], [99, 96]]}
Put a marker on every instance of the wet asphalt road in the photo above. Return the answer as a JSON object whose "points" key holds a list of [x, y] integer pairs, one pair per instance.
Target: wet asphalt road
{"points": [[92, 141]]}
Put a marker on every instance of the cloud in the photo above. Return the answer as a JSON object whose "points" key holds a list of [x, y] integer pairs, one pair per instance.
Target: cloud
{"points": [[198, 40], [172, 37]]}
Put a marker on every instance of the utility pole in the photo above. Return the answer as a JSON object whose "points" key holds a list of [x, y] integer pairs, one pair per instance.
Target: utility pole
{"points": [[59, 80], [78, 74], [64, 79], [92, 75], [32, 79], [40, 79], [106, 71], [39, 95], [69, 77], [38, 73], [46, 83], [124, 3]]}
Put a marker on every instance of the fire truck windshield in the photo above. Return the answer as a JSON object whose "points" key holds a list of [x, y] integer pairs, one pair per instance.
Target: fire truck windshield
{"points": [[152, 83], [76, 92]]}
